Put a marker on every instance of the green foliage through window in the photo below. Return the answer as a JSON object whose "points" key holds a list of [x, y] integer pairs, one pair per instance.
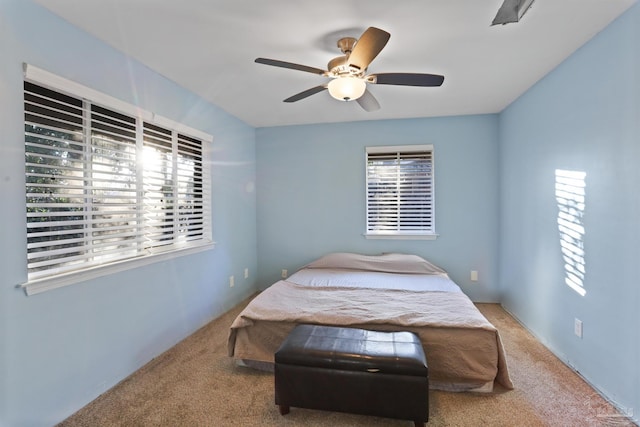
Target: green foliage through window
{"points": [[102, 186]]}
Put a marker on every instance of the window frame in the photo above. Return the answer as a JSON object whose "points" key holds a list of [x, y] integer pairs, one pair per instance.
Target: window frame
{"points": [[148, 255], [401, 233]]}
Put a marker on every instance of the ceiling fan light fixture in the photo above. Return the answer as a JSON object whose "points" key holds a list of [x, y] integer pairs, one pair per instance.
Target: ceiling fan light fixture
{"points": [[347, 73], [347, 88]]}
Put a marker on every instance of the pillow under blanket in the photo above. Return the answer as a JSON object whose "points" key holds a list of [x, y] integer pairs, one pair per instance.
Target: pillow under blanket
{"points": [[386, 263]]}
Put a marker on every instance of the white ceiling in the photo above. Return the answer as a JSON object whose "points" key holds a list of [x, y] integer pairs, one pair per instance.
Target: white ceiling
{"points": [[208, 47]]}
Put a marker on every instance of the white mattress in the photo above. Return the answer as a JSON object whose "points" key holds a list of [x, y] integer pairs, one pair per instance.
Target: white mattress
{"points": [[387, 292]]}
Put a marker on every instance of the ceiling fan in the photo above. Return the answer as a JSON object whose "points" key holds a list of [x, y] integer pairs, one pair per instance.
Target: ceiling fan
{"points": [[348, 72]]}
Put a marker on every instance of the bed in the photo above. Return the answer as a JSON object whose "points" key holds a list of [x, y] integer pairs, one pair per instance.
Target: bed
{"points": [[387, 292]]}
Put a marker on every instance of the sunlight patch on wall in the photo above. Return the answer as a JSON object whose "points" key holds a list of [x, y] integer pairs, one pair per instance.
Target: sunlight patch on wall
{"points": [[570, 196]]}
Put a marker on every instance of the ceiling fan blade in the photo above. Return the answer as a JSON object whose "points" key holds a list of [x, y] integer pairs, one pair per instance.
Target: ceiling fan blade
{"points": [[368, 46], [368, 102], [290, 65], [407, 79], [306, 93]]}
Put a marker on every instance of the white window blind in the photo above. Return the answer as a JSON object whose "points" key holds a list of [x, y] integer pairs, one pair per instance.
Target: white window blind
{"points": [[103, 186], [400, 191]]}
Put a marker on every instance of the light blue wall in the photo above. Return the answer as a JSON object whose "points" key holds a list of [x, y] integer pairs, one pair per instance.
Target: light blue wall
{"points": [[311, 195], [61, 349], [584, 116]]}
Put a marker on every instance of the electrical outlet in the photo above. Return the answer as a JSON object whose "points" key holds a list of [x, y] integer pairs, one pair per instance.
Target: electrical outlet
{"points": [[231, 282], [284, 273], [474, 275], [577, 327], [246, 273]]}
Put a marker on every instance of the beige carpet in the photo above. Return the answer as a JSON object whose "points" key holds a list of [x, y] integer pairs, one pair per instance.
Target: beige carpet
{"points": [[196, 384]]}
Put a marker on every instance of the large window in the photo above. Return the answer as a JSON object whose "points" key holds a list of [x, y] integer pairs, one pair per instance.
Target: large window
{"points": [[400, 192], [105, 187]]}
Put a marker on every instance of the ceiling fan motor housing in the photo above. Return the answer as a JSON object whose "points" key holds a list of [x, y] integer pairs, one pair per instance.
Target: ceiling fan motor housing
{"points": [[339, 66]]}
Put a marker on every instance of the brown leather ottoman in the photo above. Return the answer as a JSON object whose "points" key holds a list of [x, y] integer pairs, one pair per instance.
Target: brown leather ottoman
{"points": [[353, 370]]}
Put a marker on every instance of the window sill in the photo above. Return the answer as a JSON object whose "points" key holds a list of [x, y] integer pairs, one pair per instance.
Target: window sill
{"points": [[401, 236], [46, 284]]}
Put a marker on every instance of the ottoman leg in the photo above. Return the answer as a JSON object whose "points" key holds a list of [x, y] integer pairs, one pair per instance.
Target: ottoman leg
{"points": [[284, 409]]}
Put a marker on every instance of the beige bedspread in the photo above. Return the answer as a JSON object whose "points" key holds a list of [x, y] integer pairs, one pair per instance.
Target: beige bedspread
{"points": [[462, 347]]}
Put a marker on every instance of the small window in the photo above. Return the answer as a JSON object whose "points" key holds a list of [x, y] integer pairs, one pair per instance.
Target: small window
{"points": [[400, 192], [103, 186]]}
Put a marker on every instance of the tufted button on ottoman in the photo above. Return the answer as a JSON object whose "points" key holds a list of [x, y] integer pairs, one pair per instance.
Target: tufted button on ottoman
{"points": [[353, 370]]}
